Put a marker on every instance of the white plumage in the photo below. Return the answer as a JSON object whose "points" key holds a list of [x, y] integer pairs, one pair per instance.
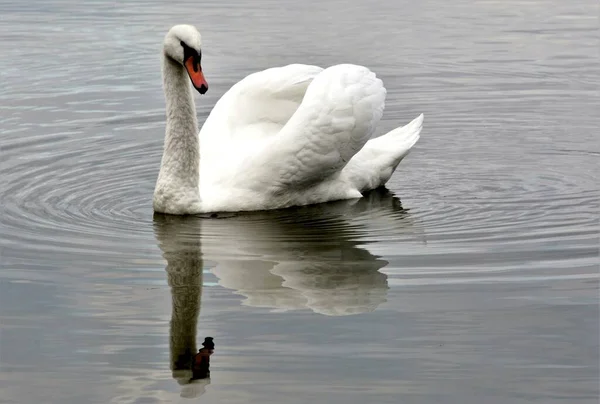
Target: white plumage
{"points": [[285, 136]]}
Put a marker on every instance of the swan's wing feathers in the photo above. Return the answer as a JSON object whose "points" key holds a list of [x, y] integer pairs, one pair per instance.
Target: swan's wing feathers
{"points": [[259, 105], [339, 113], [278, 82]]}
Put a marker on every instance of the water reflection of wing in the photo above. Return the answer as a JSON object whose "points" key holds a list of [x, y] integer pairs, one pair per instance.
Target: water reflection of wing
{"points": [[179, 240], [304, 258]]}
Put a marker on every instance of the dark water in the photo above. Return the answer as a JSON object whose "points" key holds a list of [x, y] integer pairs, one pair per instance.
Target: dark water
{"points": [[473, 280]]}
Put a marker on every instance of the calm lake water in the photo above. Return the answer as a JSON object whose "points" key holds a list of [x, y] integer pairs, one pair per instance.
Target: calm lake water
{"points": [[473, 280]]}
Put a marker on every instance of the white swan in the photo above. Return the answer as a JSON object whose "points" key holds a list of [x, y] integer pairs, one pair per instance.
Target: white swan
{"points": [[286, 136]]}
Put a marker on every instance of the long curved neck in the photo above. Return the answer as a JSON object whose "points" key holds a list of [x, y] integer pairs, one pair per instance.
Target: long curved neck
{"points": [[178, 180]]}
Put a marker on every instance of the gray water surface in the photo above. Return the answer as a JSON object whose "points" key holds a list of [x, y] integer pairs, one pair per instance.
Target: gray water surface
{"points": [[472, 279]]}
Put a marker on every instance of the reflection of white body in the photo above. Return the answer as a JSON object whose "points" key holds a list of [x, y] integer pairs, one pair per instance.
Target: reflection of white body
{"points": [[286, 136], [330, 288], [302, 258], [336, 279]]}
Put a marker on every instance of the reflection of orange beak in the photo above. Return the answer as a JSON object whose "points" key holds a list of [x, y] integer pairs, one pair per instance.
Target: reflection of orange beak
{"points": [[195, 71]]}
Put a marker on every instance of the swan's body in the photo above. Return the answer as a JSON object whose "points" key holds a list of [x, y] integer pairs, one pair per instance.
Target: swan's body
{"points": [[286, 136]]}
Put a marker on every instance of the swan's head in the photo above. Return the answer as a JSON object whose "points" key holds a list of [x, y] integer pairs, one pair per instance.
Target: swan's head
{"points": [[183, 45]]}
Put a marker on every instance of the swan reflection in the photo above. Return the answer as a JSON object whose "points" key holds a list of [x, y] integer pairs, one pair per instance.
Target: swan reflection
{"points": [[301, 258]]}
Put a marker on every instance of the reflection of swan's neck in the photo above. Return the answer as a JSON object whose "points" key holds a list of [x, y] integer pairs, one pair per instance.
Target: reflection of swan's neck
{"points": [[184, 271], [181, 156]]}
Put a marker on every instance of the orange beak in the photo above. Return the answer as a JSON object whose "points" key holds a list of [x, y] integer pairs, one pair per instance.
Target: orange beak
{"points": [[195, 71]]}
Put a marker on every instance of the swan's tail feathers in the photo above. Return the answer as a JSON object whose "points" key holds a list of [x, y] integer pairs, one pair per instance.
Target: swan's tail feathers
{"points": [[375, 163], [399, 141]]}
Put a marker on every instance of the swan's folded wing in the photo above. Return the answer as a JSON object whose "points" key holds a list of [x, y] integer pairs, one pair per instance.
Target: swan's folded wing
{"points": [[259, 105], [338, 114]]}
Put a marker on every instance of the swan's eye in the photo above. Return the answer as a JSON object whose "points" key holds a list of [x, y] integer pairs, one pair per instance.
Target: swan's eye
{"points": [[189, 52]]}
